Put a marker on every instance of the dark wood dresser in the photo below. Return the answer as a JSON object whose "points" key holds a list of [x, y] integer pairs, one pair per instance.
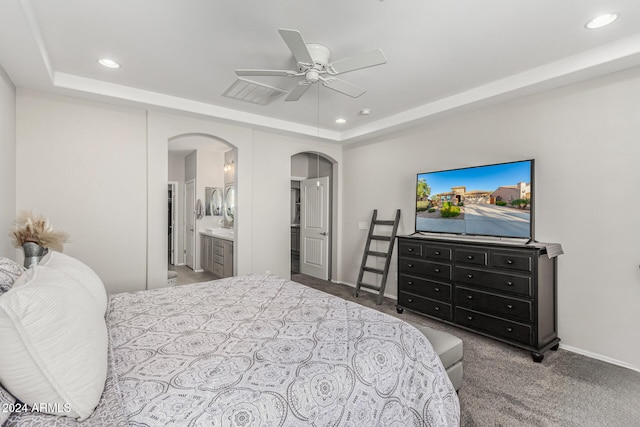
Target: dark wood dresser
{"points": [[504, 291]]}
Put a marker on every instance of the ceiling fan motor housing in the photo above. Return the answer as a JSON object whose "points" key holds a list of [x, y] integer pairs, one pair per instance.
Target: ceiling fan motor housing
{"points": [[319, 53]]}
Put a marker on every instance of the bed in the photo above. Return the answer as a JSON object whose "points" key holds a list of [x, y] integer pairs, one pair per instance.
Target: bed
{"points": [[261, 351]]}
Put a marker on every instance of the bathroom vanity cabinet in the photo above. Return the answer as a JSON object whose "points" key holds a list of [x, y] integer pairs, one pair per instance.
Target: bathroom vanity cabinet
{"points": [[217, 255]]}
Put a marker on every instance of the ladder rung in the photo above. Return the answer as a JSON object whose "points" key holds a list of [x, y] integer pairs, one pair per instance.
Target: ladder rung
{"points": [[366, 285], [373, 270], [387, 238], [384, 222], [379, 254]]}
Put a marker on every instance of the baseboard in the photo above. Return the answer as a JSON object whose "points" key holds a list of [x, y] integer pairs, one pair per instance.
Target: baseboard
{"points": [[599, 357], [371, 291]]}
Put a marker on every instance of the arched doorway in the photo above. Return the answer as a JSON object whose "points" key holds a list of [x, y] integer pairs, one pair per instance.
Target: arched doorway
{"points": [[313, 204], [197, 168]]}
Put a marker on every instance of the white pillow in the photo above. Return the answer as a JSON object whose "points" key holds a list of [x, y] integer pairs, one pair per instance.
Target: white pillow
{"points": [[54, 343], [79, 271]]}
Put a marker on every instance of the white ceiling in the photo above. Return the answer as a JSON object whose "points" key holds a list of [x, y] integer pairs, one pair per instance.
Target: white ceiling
{"points": [[442, 55]]}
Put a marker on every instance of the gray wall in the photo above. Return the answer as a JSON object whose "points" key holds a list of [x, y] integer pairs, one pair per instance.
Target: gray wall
{"points": [[83, 165], [7, 162]]}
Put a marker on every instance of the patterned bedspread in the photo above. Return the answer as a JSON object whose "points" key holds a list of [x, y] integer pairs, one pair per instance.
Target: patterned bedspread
{"points": [[265, 351]]}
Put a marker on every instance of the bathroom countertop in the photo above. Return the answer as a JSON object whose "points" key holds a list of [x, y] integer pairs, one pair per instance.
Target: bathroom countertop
{"points": [[220, 233]]}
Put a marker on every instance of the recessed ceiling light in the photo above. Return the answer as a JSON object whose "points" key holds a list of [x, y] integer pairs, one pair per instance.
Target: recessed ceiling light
{"points": [[365, 111], [341, 121], [601, 21], [109, 63]]}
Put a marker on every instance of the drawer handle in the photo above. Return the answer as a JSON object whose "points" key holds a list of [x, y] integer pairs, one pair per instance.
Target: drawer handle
{"points": [[509, 329], [410, 249], [436, 289], [470, 276], [436, 253], [436, 308], [509, 261], [469, 317], [409, 265], [437, 270], [469, 256], [409, 300], [469, 297], [409, 282], [509, 283], [509, 306]]}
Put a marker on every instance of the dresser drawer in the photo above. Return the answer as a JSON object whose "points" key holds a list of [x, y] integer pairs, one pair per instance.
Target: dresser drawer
{"points": [[427, 306], [437, 253], [425, 288], [411, 249], [503, 282], [498, 327], [218, 242], [218, 250], [475, 257], [512, 261], [431, 270], [512, 308], [218, 259]]}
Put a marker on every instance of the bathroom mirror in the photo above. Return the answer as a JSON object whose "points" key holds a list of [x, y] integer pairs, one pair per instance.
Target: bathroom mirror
{"points": [[213, 201], [229, 204]]}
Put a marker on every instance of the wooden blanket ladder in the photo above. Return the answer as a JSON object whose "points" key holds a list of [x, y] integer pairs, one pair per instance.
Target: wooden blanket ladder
{"points": [[379, 254]]}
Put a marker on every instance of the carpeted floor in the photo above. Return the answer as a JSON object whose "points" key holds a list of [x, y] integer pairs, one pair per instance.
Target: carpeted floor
{"points": [[503, 387]]}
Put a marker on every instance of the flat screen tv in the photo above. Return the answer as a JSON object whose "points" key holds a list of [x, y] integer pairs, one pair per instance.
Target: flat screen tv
{"points": [[491, 200]]}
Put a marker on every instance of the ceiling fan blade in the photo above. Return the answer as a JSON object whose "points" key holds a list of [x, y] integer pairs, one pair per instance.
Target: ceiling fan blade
{"points": [[276, 73], [298, 91], [363, 60], [343, 87], [296, 45]]}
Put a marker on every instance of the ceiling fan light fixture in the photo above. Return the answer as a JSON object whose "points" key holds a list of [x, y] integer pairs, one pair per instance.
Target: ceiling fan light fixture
{"points": [[312, 76], [109, 63], [601, 21]]}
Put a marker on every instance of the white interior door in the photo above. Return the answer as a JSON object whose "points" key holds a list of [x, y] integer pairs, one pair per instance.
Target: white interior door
{"points": [[189, 223], [314, 227]]}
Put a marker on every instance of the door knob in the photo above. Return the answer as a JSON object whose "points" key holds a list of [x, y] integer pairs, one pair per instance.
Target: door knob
{"points": [[323, 233]]}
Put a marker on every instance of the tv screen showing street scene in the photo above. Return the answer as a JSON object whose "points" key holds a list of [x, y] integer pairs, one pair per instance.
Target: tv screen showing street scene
{"points": [[491, 200]]}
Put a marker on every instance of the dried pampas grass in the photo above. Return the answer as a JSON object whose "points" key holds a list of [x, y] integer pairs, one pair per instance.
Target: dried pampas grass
{"points": [[36, 228]]}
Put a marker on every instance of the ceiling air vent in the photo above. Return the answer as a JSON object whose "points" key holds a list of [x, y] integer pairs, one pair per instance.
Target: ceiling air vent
{"points": [[256, 93]]}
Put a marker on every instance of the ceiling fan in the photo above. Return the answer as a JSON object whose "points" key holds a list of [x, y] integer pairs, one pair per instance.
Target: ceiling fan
{"points": [[313, 65]]}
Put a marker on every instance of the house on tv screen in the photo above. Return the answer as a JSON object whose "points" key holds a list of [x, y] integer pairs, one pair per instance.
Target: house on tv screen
{"points": [[504, 193]]}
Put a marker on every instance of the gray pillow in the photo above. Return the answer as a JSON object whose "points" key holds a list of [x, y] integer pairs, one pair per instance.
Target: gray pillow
{"points": [[9, 272], [6, 402]]}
